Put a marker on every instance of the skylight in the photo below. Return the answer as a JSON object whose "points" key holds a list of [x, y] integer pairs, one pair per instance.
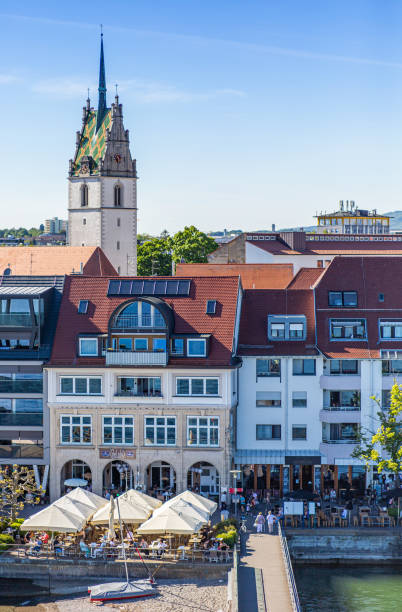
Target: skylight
{"points": [[211, 307], [83, 307]]}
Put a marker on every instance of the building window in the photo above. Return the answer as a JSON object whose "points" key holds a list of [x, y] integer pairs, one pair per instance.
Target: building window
{"points": [[386, 399], [303, 367], [21, 412], [268, 399], [118, 430], [118, 222], [202, 431], [80, 385], [89, 347], [353, 329], [286, 327], [76, 429], [140, 344], [84, 195], [118, 245], [390, 330], [346, 400], [117, 195], [84, 222], [160, 431], [139, 387], [211, 307], [196, 348], [159, 345], [83, 307], [268, 367], [340, 432], [177, 346], [21, 383], [299, 432], [139, 314], [343, 366], [299, 399], [342, 299], [197, 386], [391, 366], [268, 432]]}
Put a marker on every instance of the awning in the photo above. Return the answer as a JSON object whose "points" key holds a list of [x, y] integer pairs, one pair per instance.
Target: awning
{"points": [[23, 291]]}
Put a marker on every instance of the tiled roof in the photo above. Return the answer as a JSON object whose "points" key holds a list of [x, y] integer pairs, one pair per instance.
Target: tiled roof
{"points": [[54, 260], [189, 318], [369, 276], [253, 276], [305, 278], [93, 143], [258, 304]]}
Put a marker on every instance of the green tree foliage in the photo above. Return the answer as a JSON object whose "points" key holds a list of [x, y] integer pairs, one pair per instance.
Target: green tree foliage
{"points": [[15, 482], [154, 258], [383, 447], [192, 246]]}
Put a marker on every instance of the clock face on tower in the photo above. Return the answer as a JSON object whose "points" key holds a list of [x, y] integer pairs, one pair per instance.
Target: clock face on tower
{"points": [[84, 168], [117, 158]]}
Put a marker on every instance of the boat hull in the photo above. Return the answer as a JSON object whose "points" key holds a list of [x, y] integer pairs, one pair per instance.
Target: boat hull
{"points": [[111, 591]]}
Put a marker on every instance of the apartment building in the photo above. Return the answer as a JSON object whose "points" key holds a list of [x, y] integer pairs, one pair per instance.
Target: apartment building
{"points": [[142, 383], [313, 356]]}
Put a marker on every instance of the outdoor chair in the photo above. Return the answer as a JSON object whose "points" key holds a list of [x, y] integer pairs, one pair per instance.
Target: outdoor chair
{"points": [[213, 556], [364, 520]]}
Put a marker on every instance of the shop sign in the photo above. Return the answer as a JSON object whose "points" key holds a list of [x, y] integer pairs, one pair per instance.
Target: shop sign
{"points": [[117, 453]]}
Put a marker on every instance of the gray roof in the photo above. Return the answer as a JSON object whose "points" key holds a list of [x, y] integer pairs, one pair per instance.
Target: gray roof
{"points": [[23, 291]]}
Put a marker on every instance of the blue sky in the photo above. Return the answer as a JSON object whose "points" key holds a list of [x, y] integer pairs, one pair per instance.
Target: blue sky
{"points": [[241, 114]]}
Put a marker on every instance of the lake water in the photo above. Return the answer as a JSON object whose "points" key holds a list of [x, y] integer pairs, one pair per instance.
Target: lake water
{"points": [[349, 588]]}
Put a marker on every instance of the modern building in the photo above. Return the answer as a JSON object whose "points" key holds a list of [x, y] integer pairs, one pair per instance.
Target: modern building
{"points": [[142, 383], [55, 226], [303, 250], [352, 220], [102, 197], [28, 316], [313, 357]]}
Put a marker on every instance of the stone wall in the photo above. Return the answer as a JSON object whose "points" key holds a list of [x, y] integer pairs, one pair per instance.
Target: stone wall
{"points": [[345, 545]]}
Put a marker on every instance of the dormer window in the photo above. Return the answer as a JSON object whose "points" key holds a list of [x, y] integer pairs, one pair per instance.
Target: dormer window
{"points": [[342, 299], [139, 314], [390, 330], [196, 347], [287, 327], [352, 329]]}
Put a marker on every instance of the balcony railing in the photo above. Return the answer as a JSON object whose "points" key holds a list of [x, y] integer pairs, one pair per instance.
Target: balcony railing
{"points": [[16, 320], [133, 393], [137, 358], [21, 420], [340, 441], [133, 321], [21, 451], [339, 408], [21, 386]]}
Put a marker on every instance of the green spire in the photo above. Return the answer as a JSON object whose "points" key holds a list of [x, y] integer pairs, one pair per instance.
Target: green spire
{"points": [[102, 108]]}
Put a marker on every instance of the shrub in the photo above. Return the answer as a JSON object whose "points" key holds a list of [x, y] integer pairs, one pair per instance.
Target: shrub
{"points": [[229, 537], [227, 525], [6, 539], [393, 512]]}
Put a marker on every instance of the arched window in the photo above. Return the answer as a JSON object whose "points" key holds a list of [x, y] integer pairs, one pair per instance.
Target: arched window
{"points": [[118, 195], [140, 314], [84, 195]]}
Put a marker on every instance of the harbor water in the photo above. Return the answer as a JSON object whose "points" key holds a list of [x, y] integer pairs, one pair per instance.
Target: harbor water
{"points": [[349, 588]]}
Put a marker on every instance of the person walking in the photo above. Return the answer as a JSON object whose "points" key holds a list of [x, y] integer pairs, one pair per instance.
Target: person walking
{"points": [[259, 521], [270, 522]]}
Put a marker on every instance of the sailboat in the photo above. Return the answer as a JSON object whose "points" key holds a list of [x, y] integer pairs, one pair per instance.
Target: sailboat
{"points": [[130, 589]]}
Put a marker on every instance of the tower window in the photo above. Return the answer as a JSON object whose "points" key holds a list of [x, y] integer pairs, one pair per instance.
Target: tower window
{"points": [[118, 245], [117, 195], [84, 195], [84, 222], [118, 222]]}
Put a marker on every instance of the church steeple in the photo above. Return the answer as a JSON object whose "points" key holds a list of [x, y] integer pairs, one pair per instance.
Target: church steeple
{"points": [[102, 108]]}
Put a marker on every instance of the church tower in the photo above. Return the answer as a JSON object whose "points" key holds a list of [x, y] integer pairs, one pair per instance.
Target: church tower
{"points": [[102, 195]]}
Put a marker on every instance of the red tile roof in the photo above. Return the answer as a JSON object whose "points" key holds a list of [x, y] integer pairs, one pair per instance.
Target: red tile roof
{"points": [[369, 276], [258, 304], [189, 318], [54, 261], [253, 276], [305, 278]]}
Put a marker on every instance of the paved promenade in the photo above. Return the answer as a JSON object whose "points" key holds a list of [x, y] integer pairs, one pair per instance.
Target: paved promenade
{"points": [[263, 552]]}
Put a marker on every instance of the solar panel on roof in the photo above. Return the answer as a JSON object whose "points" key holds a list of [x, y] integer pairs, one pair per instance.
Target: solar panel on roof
{"points": [[149, 287]]}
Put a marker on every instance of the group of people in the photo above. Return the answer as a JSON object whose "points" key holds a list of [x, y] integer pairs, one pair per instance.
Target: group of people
{"points": [[35, 541], [270, 520]]}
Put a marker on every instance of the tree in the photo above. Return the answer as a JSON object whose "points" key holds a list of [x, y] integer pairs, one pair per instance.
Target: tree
{"points": [[15, 482], [154, 257], [383, 447], [192, 246]]}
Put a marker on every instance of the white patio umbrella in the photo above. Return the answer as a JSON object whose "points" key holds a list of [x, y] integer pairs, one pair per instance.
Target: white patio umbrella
{"points": [[129, 513], [139, 498], [170, 521], [111, 533], [74, 507], [54, 518], [87, 497], [196, 500], [76, 482], [186, 509]]}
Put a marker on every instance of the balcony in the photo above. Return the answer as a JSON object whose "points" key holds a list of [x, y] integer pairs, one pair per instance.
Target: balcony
{"points": [[337, 449], [21, 420], [340, 414], [21, 451], [21, 386], [135, 321], [16, 320], [138, 394], [136, 358], [342, 382]]}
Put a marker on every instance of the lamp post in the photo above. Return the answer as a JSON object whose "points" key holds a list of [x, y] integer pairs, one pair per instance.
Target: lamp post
{"points": [[236, 475]]}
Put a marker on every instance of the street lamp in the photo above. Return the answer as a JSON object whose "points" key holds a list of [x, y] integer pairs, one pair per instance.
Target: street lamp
{"points": [[236, 475]]}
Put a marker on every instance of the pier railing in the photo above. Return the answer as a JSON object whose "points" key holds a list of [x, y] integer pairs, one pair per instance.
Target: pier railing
{"points": [[294, 595]]}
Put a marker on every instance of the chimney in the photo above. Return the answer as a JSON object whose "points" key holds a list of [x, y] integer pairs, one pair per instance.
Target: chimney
{"points": [[295, 240], [81, 268]]}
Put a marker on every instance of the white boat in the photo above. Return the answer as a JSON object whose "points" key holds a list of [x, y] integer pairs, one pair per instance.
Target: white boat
{"points": [[111, 591]]}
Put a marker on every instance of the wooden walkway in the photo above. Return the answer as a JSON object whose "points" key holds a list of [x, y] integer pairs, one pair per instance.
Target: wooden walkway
{"points": [[263, 551]]}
